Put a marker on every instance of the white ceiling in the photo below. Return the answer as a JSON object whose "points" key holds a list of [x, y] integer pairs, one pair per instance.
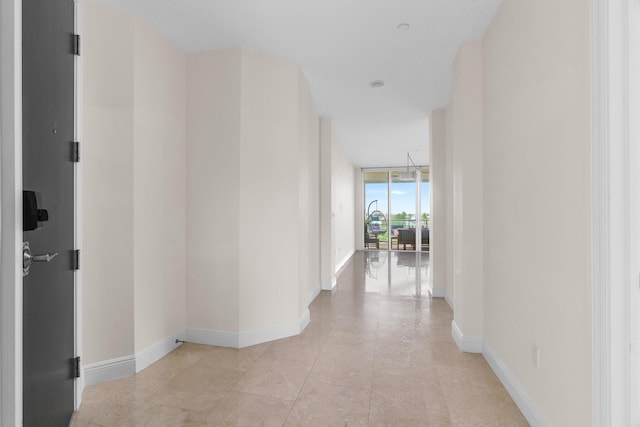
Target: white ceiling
{"points": [[342, 45]]}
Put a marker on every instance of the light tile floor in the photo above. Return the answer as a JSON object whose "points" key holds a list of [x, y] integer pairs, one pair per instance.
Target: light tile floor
{"points": [[378, 352]]}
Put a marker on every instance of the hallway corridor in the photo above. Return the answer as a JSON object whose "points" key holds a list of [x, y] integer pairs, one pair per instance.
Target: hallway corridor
{"points": [[378, 351]]}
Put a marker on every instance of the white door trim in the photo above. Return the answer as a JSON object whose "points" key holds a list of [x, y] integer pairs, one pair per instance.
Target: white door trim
{"points": [[78, 115], [615, 224], [633, 49], [11, 212]]}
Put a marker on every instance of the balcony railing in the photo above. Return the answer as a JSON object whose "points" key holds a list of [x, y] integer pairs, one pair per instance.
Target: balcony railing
{"points": [[400, 223]]}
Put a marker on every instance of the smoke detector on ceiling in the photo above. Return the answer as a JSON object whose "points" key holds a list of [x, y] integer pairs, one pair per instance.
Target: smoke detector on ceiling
{"points": [[376, 84], [404, 27]]}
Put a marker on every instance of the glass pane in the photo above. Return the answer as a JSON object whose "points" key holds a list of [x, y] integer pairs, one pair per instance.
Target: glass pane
{"points": [[425, 206], [403, 210], [375, 210]]}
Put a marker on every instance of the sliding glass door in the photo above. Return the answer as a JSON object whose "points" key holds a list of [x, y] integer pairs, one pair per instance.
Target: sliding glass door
{"points": [[396, 209], [403, 210], [425, 208], [376, 203]]}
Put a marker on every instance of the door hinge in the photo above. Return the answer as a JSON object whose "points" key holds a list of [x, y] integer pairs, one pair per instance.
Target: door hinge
{"points": [[76, 367], [75, 260], [75, 152], [76, 44]]}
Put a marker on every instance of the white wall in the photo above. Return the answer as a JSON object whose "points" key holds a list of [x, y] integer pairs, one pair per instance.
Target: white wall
{"points": [[438, 219], [466, 122], [327, 215], [188, 174], [213, 189], [107, 156], [537, 202], [519, 124], [253, 195], [269, 164], [302, 214], [448, 208], [343, 202], [133, 155], [308, 192], [159, 150], [313, 209], [338, 220]]}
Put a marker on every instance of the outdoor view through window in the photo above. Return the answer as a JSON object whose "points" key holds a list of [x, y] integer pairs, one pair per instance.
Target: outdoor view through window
{"points": [[395, 204]]}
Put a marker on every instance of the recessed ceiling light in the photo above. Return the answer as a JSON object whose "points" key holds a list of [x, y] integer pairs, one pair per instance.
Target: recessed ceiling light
{"points": [[404, 27], [376, 84]]}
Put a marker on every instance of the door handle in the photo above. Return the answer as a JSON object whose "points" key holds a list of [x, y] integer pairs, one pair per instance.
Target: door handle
{"points": [[43, 257], [28, 258]]}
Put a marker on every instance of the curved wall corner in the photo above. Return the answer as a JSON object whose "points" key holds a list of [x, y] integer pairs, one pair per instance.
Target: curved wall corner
{"points": [[252, 165]]}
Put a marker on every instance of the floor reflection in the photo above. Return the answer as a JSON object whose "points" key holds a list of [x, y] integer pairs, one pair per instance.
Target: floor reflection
{"points": [[396, 273]]}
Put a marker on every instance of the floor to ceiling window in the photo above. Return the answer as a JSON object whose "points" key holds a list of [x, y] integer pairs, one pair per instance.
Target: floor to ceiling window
{"points": [[396, 215], [376, 202]]}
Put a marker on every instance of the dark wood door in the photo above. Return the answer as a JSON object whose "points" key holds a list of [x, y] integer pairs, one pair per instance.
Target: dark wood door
{"points": [[48, 170]]}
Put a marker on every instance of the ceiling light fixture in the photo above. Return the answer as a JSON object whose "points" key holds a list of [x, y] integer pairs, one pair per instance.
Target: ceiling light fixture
{"points": [[408, 175], [404, 27], [377, 84]]}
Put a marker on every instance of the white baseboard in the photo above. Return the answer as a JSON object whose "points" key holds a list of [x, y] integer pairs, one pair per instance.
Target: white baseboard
{"points": [[246, 339], [95, 373], [212, 337], [158, 350], [313, 293], [449, 300], [304, 320], [273, 333], [330, 286], [514, 389], [465, 344], [340, 265]]}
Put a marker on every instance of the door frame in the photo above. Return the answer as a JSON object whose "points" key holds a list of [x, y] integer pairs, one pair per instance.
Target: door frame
{"points": [[616, 211], [11, 211], [77, 198], [362, 202]]}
